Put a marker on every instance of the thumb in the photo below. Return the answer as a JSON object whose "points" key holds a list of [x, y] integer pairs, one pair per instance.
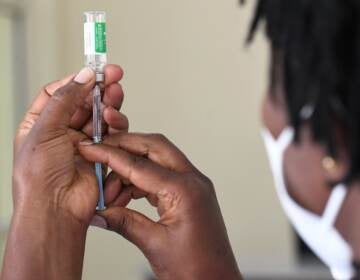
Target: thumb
{"points": [[132, 225], [64, 102]]}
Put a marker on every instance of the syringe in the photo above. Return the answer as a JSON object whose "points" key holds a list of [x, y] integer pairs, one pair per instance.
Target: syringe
{"points": [[97, 138], [95, 57]]}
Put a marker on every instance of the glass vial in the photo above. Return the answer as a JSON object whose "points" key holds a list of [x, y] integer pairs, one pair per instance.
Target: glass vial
{"points": [[95, 40]]}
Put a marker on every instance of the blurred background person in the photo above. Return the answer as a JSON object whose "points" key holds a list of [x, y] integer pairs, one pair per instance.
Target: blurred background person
{"points": [[312, 119]]}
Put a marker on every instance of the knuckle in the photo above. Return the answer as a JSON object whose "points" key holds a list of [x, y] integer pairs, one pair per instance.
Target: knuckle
{"points": [[28, 122], [64, 91], [123, 225], [174, 181], [59, 93], [69, 95], [206, 181], [58, 96], [138, 161], [158, 137], [199, 186]]}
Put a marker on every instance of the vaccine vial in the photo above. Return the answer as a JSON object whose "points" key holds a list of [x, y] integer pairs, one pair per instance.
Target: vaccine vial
{"points": [[95, 40]]}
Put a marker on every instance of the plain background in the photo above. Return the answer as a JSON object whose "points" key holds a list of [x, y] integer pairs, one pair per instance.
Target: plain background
{"points": [[189, 76]]}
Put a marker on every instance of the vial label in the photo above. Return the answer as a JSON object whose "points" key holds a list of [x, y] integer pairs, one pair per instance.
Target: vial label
{"points": [[100, 37], [94, 38]]}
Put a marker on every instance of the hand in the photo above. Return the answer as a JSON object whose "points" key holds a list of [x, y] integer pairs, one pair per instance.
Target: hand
{"points": [[54, 190], [47, 172], [189, 241]]}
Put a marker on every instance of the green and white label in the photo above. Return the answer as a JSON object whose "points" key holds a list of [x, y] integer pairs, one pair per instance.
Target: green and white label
{"points": [[94, 38]]}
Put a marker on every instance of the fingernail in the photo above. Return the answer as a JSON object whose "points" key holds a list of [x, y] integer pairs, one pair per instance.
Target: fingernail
{"points": [[99, 221], [84, 76], [86, 142]]}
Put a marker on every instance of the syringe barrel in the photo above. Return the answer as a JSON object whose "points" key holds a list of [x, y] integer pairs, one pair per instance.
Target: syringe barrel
{"points": [[95, 40], [97, 137]]}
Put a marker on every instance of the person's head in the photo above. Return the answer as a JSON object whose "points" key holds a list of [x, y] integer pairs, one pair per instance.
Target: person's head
{"points": [[316, 58]]}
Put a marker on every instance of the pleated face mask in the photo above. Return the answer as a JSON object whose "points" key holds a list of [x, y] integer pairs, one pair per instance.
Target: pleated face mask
{"points": [[318, 232]]}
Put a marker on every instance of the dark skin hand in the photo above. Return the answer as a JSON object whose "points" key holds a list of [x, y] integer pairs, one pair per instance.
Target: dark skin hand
{"points": [[54, 190], [189, 241]]}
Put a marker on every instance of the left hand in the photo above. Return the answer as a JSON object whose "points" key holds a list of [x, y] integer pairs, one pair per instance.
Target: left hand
{"points": [[189, 241], [48, 173]]}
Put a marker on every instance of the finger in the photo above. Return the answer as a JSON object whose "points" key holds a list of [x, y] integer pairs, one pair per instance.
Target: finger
{"points": [[123, 199], [113, 97], [113, 74], [127, 194], [37, 107], [64, 103], [113, 187], [132, 225], [52, 87], [141, 172], [82, 114], [113, 121], [76, 137], [98, 221], [153, 146], [87, 128]]}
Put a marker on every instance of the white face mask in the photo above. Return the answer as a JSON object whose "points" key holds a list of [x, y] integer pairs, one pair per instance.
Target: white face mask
{"points": [[318, 232]]}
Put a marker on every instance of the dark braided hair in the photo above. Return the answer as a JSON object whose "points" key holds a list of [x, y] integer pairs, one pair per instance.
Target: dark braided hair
{"points": [[319, 42]]}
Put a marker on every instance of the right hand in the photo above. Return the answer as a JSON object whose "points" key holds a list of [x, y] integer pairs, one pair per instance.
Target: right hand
{"points": [[189, 241]]}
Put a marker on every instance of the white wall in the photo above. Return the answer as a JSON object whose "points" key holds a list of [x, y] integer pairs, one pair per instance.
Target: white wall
{"points": [[189, 76], [28, 58], [6, 122]]}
